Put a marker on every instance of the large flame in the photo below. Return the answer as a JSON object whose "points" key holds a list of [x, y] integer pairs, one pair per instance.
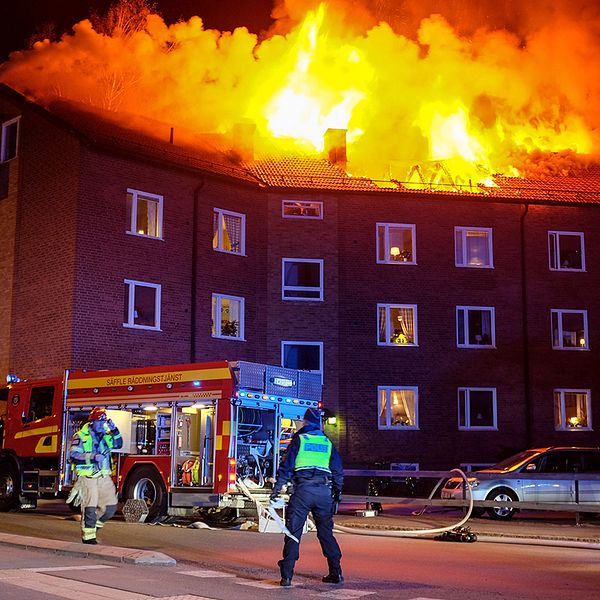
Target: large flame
{"points": [[441, 106]]}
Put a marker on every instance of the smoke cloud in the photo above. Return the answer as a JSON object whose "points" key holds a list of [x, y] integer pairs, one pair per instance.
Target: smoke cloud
{"points": [[481, 85]]}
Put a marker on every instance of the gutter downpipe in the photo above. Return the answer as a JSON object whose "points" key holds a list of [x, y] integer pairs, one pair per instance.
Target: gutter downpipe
{"points": [[526, 370], [194, 268]]}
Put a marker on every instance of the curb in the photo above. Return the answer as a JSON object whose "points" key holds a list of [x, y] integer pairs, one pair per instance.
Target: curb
{"points": [[114, 553]]}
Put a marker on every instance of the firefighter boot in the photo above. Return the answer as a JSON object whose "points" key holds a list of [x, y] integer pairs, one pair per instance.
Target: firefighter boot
{"points": [[335, 578]]}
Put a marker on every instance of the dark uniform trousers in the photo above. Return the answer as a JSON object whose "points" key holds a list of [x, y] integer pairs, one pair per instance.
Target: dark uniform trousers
{"points": [[315, 497]]}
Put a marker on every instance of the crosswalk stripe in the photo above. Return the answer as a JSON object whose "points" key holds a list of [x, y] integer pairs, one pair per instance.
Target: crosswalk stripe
{"points": [[74, 568], [265, 584], [205, 573], [343, 594]]}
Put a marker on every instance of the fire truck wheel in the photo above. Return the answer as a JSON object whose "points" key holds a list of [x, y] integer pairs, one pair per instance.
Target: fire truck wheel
{"points": [[146, 484], [9, 487]]}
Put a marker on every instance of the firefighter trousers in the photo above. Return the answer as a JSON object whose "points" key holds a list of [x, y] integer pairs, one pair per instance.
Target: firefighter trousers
{"points": [[314, 498], [98, 504]]}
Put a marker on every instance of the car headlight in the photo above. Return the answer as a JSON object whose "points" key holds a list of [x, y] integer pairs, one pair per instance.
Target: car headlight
{"points": [[473, 482]]}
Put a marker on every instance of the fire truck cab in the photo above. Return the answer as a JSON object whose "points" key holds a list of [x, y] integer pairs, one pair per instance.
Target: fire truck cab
{"points": [[203, 437]]}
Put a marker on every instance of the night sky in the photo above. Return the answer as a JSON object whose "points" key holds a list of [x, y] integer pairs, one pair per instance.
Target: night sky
{"points": [[19, 19]]}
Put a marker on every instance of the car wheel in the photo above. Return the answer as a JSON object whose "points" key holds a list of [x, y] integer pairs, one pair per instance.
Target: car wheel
{"points": [[502, 513], [9, 487], [146, 484]]}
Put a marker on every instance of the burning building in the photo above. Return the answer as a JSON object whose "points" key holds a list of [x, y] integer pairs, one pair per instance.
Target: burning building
{"points": [[416, 221]]}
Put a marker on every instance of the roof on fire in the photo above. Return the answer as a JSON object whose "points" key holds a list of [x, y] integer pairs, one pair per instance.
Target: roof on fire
{"points": [[275, 169]]}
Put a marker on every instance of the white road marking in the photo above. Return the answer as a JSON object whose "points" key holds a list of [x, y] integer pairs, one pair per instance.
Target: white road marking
{"points": [[266, 584], [58, 587], [342, 594], [205, 573], [78, 568]]}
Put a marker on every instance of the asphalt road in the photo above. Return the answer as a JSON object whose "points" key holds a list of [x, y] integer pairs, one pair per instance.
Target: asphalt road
{"points": [[243, 562]]}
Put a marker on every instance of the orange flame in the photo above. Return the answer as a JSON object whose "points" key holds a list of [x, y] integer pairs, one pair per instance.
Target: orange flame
{"points": [[441, 106]]}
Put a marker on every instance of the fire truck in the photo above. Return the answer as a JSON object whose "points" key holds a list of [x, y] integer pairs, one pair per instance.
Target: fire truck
{"points": [[201, 438]]}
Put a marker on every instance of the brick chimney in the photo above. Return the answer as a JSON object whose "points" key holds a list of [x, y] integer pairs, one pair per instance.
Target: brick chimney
{"points": [[243, 139], [335, 146]]}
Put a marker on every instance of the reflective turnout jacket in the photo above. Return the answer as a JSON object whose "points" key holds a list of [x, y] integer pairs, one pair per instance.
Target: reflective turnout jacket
{"points": [[86, 444]]}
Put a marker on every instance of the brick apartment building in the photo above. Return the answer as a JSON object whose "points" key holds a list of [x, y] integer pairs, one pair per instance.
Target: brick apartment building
{"points": [[450, 327]]}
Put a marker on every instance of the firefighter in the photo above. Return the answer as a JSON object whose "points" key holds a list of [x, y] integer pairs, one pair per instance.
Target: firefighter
{"points": [[314, 466], [90, 455]]}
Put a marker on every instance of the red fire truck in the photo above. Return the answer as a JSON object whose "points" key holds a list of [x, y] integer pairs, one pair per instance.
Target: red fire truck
{"points": [[196, 437]]}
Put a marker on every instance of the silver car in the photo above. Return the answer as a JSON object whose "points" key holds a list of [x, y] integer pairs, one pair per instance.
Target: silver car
{"points": [[529, 488]]}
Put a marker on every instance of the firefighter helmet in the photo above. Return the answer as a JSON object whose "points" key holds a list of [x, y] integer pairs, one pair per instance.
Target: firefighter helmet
{"points": [[98, 414]]}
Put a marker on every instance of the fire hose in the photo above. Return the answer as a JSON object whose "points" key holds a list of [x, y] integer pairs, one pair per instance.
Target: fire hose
{"points": [[387, 533], [418, 532]]}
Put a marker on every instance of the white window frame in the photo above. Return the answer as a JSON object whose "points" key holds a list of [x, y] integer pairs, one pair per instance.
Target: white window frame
{"points": [[3, 149], [221, 212], [563, 425], [554, 243], [463, 237], [293, 288], [388, 249], [467, 409], [466, 310], [388, 323], [388, 407], [285, 343], [241, 325], [302, 205], [135, 196], [132, 283], [560, 312]]}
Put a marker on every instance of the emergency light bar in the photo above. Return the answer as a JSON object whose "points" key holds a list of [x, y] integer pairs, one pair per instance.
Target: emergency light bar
{"points": [[280, 399]]}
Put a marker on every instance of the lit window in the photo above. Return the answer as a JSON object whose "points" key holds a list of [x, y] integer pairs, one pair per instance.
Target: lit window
{"points": [[398, 407], [301, 209], [302, 279], [227, 317], [8, 140], [229, 231], [142, 305], [304, 356], [475, 327], [473, 247], [572, 410], [566, 251], [145, 214], [397, 325], [569, 330], [477, 408], [396, 244]]}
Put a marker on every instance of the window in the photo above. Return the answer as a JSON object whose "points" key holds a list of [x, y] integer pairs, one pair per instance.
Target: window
{"points": [[475, 327], [40, 402], [572, 410], [473, 247], [305, 356], [297, 209], [398, 407], [396, 244], [142, 305], [302, 279], [144, 213], [227, 317], [566, 251], [229, 232], [477, 408], [8, 140], [569, 330], [397, 325]]}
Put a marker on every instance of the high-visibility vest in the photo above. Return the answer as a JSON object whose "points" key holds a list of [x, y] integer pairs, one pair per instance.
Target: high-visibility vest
{"points": [[105, 445], [314, 453]]}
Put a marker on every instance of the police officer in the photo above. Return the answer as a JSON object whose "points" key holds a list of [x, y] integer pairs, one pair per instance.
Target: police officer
{"points": [[315, 467], [90, 454]]}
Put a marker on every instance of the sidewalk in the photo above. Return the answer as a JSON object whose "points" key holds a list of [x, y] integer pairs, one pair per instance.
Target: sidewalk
{"points": [[525, 527]]}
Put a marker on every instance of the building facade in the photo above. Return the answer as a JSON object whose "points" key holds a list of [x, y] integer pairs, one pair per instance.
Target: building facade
{"points": [[450, 326]]}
